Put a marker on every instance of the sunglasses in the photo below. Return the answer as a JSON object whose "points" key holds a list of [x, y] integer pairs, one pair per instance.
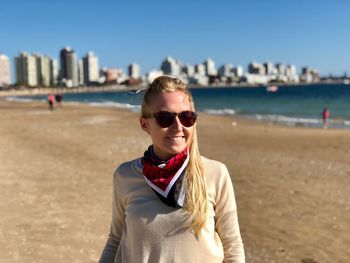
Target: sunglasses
{"points": [[165, 118]]}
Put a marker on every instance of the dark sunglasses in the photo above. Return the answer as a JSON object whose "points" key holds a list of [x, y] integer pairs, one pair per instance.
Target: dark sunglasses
{"points": [[165, 118]]}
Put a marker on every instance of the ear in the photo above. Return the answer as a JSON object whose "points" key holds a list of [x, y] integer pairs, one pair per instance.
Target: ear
{"points": [[144, 125]]}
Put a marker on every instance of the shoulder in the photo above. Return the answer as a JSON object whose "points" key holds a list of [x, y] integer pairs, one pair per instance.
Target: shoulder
{"points": [[216, 172], [126, 175], [129, 169], [213, 166]]}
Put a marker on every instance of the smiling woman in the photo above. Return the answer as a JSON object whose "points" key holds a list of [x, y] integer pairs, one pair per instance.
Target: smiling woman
{"points": [[172, 204]]}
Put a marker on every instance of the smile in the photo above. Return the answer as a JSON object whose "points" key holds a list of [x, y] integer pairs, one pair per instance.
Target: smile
{"points": [[175, 138]]}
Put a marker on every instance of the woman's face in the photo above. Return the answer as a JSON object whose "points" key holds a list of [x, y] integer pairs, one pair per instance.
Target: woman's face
{"points": [[169, 141]]}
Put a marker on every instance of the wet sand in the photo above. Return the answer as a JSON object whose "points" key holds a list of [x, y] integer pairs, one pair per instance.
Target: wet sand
{"points": [[292, 184]]}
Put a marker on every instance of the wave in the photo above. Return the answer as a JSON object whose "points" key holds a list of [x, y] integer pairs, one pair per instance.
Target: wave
{"points": [[221, 111], [21, 99], [281, 119], [134, 108]]}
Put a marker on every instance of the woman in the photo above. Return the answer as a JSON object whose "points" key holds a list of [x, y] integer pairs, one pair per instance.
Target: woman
{"points": [[172, 205]]}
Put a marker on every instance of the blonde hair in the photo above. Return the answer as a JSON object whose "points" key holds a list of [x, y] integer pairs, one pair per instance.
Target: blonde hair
{"points": [[196, 204]]}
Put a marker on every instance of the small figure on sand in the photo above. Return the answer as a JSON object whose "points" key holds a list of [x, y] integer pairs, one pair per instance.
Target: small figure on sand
{"points": [[325, 117], [58, 98], [51, 101]]}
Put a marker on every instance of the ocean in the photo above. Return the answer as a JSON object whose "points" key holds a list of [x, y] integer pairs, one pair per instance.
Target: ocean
{"points": [[299, 105]]}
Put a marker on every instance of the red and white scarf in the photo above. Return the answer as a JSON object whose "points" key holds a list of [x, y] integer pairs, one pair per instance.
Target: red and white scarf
{"points": [[165, 177]]}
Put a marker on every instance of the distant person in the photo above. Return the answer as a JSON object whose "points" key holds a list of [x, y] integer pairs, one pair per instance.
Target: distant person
{"points": [[172, 204], [325, 116], [58, 98], [51, 101]]}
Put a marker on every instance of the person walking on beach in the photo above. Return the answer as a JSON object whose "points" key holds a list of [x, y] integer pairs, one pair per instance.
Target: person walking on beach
{"points": [[51, 101], [325, 116], [58, 98], [172, 204]]}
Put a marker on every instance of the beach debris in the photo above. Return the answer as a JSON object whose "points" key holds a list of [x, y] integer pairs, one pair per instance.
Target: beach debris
{"points": [[234, 124]]}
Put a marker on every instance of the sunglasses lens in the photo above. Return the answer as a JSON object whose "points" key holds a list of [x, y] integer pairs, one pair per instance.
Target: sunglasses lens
{"points": [[164, 119], [187, 118]]}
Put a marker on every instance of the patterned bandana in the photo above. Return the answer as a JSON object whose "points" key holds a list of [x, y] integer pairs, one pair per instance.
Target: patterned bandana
{"points": [[165, 177]]}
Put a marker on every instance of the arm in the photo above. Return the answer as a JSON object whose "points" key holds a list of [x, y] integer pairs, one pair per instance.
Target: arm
{"points": [[226, 220], [118, 219]]}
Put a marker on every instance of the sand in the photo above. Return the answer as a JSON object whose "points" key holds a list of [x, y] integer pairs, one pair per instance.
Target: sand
{"points": [[291, 184]]}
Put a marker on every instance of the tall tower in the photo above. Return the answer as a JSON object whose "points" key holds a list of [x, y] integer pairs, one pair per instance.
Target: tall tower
{"points": [[134, 71], [4, 70], [91, 68], [42, 69], [69, 67], [210, 69], [53, 72], [26, 73]]}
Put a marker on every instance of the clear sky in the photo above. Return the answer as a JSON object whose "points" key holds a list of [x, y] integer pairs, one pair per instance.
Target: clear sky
{"points": [[300, 32]]}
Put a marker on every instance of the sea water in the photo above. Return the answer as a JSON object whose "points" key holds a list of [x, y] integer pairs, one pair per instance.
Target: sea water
{"points": [[299, 105]]}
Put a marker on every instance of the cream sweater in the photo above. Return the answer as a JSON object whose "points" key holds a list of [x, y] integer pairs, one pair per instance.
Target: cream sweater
{"points": [[144, 229]]}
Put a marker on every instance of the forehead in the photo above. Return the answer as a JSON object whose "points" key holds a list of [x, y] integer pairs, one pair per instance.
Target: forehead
{"points": [[175, 101]]}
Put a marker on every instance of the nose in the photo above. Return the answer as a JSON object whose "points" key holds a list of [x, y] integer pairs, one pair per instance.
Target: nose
{"points": [[177, 124]]}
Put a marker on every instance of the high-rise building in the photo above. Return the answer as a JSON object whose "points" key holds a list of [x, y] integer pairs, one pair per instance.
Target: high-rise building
{"points": [[53, 72], [171, 67], [134, 71], [238, 71], [5, 77], [210, 69], [269, 68], [42, 70], [200, 69], [81, 73], [281, 69], [69, 67], [189, 70], [256, 68], [26, 73], [91, 68], [225, 70]]}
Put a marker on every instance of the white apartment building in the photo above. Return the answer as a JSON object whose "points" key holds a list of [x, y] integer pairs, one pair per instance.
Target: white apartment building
{"points": [[5, 77], [53, 72], [226, 70], [256, 68], [81, 73], [26, 71], [171, 67], [42, 70], [210, 69], [91, 68], [134, 71], [189, 70], [200, 69], [238, 71]]}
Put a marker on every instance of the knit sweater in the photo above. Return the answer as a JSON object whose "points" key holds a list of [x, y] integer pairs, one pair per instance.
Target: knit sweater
{"points": [[144, 229]]}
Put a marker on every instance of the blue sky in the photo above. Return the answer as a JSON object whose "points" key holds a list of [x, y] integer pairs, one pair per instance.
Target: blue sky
{"points": [[300, 32]]}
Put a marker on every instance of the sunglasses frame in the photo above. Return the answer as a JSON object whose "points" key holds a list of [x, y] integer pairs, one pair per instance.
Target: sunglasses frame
{"points": [[173, 114]]}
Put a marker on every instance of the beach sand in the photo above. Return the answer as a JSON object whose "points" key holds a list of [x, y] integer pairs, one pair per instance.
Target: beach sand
{"points": [[292, 184]]}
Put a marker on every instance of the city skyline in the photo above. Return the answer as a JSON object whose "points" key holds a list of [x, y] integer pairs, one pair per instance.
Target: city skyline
{"points": [[237, 32]]}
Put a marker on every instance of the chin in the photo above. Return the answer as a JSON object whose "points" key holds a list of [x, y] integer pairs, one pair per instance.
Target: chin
{"points": [[177, 149]]}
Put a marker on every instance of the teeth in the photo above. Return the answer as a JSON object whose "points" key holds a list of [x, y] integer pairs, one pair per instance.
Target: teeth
{"points": [[177, 138]]}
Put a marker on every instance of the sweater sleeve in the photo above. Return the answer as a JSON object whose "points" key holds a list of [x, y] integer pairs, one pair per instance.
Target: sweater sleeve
{"points": [[118, 219], [226, 219]]}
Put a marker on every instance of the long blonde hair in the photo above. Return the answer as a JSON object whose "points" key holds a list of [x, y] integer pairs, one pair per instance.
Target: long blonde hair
{"points": [[196, 204]]}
